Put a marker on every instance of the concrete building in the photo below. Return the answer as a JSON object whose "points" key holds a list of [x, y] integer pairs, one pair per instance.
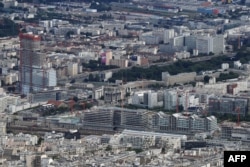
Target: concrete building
{"points": [[113, 94], [191, 122], [177, 41], [154, 100], [218, 44], [106, 75], [142, 139], [182, 55], [161, 122], [190, 42], [72, 69], [122, 63], [3, 103], [7, 101], [159, 33], [179, 78], [51, 78], [170, 99], [44, 96], [109, 57], [204, 44], [2, 128], [228, 105], [98, 120], [210, 44], [138, 98], [141, 60], [232, 131], [33, 161], [11, 78], [168, 34], [98, 92], [149, 39], [224, 66], [150, 99], [237, 64]]}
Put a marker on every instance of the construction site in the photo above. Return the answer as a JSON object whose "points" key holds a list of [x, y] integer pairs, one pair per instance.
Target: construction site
{"points": [[35, 74], [235, 131]]}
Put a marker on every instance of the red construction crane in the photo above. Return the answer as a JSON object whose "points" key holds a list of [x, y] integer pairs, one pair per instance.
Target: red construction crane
{"points": [[71, 105], [83, 106], [187, 100], [204, 112], [177, 101], [178, 93], [238, 116]]}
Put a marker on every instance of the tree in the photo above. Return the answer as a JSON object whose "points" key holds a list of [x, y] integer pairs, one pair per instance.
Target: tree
{"points": [[75, 98], [211, 54], [8, 28], [163, 150], [91, 77], [108, 148], [73, 81], [97, 78], [68, 34], [11, 89], [206, 78], [181, 108], [3, 83]]}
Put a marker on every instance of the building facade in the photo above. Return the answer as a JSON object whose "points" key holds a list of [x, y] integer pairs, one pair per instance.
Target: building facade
{"points": [[34, 73]]}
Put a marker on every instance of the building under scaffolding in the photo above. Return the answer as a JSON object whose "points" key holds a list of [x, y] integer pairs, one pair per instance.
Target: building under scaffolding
{"points": [[34, 74]]}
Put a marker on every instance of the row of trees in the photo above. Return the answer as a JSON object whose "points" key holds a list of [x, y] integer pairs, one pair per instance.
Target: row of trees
{"points": [[8, 28], [96, 65], [154, 72]]}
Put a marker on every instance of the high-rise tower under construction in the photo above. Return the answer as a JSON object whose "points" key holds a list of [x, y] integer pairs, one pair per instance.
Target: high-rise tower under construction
{"points": [[34, 74]]}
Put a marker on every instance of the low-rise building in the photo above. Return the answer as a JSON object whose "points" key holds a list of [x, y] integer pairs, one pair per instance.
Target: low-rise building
{"points": [[179, 78]]}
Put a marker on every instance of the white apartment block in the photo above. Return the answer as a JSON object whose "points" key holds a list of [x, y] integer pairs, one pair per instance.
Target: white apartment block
{"points": [[213, 44], [177, 41], [170, 99], [204, 44], [168, 34], [153, 100], [224, 66]]}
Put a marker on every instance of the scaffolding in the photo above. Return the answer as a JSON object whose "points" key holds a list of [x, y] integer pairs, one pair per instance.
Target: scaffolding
{"points": [[31, 63]]}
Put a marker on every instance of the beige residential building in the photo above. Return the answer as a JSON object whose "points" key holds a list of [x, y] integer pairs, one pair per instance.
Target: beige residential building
{"points": [[122, 63], [109, 56], [179, 78], [72, 69]]}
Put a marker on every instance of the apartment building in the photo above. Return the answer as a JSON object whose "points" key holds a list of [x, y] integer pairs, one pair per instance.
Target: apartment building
{"points": [[179, 78]]}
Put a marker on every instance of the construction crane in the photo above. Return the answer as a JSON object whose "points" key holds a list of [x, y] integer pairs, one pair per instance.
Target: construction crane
{"points": [[204, 110], [180, 92], [238, 115], [71, 105], [187, 100], [177, 101]]}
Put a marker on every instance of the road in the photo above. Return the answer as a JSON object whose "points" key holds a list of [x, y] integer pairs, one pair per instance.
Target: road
{"points": [[81, 77]]}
